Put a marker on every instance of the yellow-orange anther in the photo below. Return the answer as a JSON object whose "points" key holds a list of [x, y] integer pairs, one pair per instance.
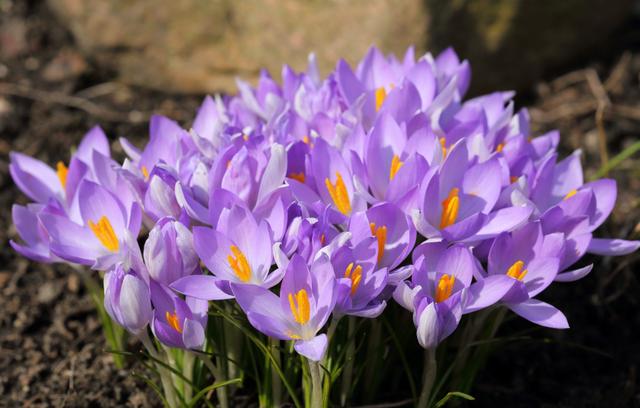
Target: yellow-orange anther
{"points": [[239, 264], [395, 166], [145, 172], [499, 147], [445, 287], [443, 146], [339, 194], [513, 179], [105, 234], [62, 172], [299, 304], [355, 274], [297, 176], [515, 271], [381, 235], [450, 206], [172, 319], [245, 138], [570, 194], [381, 95], [305, 139]]}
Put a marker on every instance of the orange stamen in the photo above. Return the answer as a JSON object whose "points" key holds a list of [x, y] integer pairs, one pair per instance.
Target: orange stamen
{"points": [[239, 264], [105, 234], [445, 287], [450, 207], [381, 95], [62, 172], [516, 271], [172, 319], [299, 304], [339, 194], [395, 166], [381, 235]]}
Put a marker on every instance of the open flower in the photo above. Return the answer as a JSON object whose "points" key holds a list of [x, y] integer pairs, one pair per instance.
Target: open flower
{"points": [[240, 250], [307, 298], [106, 236]]}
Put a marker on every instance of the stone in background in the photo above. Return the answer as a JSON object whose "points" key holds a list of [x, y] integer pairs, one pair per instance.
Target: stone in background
{"points": [[202, 45]]}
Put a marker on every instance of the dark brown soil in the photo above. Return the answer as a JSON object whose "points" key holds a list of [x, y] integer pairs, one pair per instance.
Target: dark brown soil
{"points": [[51, 348]]}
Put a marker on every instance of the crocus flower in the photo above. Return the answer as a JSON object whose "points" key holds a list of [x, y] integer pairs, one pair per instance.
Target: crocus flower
{"points": [[168, 252], [392, 229], [127, 299], [361, 282], [458, 200], [107, 235], [240, 250], [177, 322], [35, 238], [441, 291], [531, 260], [307, 298]]}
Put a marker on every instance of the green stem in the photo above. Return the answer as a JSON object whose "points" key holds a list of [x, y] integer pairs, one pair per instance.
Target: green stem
{"points": [[218, 377], [428, 377], [165, 375], [316, 384], [188, 361], [276, 383], [347, 375], [619, 158], [113, 333]]}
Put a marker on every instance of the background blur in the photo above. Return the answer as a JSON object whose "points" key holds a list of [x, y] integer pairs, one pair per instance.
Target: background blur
{"points": [[66, 65]]}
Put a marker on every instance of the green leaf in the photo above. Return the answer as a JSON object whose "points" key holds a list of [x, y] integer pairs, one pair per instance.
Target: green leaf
{"points": [[452, 394], [211, 387], [154, 387], [617, 160]]}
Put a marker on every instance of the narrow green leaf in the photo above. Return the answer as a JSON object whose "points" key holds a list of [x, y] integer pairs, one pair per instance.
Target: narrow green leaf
{"points": [[452, 394], [617, 160], [211, 387]]}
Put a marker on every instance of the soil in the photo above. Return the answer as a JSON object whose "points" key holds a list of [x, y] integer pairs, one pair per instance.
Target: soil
{"points": [[52, 352]]}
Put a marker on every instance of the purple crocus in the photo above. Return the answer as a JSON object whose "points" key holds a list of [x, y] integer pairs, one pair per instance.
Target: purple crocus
{"points": [[392, 229], [106, 236], [239, 250], [127, 299], [441, 290], [177, 322], [457, 202], [531, 259], [168, 252], [307, 298], [361, 281]]}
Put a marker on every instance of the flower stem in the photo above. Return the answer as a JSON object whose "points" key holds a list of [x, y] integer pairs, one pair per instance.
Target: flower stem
{"points": [[347, 375], [276, 382], [217, 374], [428, 377], [316, 384], [165, 375]]}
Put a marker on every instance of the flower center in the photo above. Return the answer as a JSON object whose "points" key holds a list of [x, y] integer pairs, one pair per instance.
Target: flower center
{"points": [[450, 206], [299, 304], [381, 235], [570, 194], [172, 319], [239, 264], [381, 95], [297, 176], [443, 146], [62, 171], [445, 287], [105, 234], [355, 274], [339, 194], [145, 173], [395, 166], [516, 271], [499, 147]]}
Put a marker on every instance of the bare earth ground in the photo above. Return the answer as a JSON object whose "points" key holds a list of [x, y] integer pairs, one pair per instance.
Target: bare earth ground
{"points": [[51, 347]]}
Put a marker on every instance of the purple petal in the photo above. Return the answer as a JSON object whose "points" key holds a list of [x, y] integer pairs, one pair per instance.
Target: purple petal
{"points": [[540, 313], [573, 275], [313, 349], [486, 292], [200, 286], [612, 247]]}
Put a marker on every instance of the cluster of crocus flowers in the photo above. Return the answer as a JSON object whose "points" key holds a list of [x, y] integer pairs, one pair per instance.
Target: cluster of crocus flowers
{"points": [[317, 197]]}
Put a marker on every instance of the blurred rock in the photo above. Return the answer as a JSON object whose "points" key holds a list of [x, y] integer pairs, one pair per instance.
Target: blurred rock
{"points": [[67, 64], [512, 43], [197, 46], [13, 38], [201, 46]]}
